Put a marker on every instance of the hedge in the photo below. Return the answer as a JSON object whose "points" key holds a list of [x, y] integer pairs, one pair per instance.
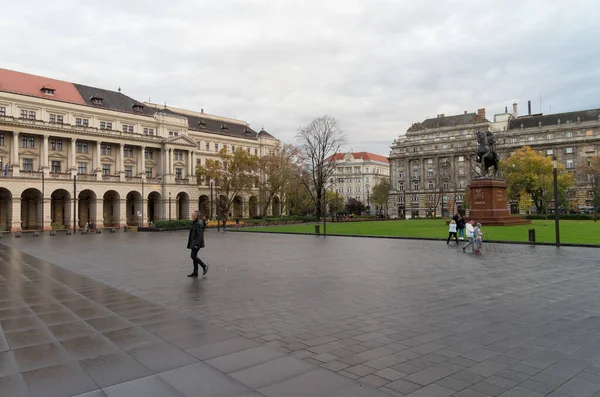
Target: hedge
{"points": [[572, 217], [173, 224]]}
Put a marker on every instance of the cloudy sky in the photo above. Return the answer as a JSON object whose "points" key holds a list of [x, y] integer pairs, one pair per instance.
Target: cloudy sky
{"points": [[375, 65]]}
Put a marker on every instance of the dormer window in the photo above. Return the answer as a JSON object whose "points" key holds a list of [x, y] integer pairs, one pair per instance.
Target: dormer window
{"points": [[224, 127], [137, 107], [202, 124], [48, 89], [97, 100], [246, 131]]}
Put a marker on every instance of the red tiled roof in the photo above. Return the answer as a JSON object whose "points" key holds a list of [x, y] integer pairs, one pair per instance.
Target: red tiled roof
{"points": [[366, 156], [28, 84]]}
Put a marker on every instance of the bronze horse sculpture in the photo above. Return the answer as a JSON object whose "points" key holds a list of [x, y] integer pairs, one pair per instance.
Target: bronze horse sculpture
{"points": [[486, 153]]}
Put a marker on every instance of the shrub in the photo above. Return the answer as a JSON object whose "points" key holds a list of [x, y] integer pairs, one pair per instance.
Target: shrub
{"points": [[173, 224], [572, 217], [57, 226]]}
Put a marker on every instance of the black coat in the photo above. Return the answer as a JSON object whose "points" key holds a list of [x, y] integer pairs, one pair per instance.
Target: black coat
{"points": [[196, 237]]}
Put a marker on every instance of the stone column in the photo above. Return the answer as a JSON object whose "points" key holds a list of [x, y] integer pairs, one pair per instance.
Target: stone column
{"points": [[190, 156], [123, 213], [16, 166], [98, 165], [47, 214], [142, 170], [44, 156], [15, 224], [73, 154], [99, 221], [120, 162], [171, 170]]}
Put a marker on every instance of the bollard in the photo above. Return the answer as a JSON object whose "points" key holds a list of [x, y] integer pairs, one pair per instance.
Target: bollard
{"points": [[532, 236], [52, 233], [36, 234], [317, 229], [113, 230], [18, 235], [125, 229], [68, 233], [98, 231]]}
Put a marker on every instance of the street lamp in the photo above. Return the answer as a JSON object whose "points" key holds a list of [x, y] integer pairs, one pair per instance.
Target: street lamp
{"points": [[556, 223], [169, 206], [211, 199]]}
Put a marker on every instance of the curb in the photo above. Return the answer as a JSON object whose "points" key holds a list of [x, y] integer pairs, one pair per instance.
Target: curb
{"points": [[420, 238]]}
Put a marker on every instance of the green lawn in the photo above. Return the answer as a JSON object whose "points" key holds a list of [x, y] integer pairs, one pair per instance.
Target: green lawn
{"points": [[576, 232]]}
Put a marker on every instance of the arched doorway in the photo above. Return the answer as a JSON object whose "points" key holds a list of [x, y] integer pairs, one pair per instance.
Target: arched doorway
{"points": [[60, 209], [133, 205], [110, 208], [238, 207], [183, 206], [153, 210], [5, 209], [203, 206], [276, 208], [31, 209], [253, 206], [221, 207], [87, 207]]}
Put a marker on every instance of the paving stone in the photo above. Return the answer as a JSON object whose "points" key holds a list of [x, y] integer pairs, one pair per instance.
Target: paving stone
{"points": [[110, 369], [390, 374], [403, 386], [244, 359], [201, 379], [432, 390], [144, 387], [60, 380], [318, 382]]}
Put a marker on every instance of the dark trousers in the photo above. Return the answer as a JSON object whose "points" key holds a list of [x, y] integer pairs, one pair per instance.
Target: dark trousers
{"points": [[450, 234], [197, 261]]}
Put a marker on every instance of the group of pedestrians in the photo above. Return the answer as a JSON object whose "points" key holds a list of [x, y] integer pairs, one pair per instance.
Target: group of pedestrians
{"points": [[459, 227]]}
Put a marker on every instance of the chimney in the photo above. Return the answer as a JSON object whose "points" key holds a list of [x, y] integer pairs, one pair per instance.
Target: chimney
{"points": [[481, 112], [465, 112], [440, 115], [201, 110], [515, 112], [505, 109], [529, 108]]}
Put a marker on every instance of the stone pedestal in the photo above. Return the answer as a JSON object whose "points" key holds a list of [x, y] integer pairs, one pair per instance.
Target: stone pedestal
{"points": [[489, 205]]}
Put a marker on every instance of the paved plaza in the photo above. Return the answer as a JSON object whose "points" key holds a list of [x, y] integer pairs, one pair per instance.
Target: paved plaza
{"points": [[282, 315]]}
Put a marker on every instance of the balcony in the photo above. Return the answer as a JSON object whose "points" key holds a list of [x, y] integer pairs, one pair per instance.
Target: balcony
{"points": [[133, 179], [31, 174], [60, 175], [153, 180], [111, 178], [86, 177], [182, 181], [415, 178]]}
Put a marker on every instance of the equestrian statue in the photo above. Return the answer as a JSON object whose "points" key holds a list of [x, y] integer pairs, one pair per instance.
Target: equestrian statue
{"points": [[486, 153]]}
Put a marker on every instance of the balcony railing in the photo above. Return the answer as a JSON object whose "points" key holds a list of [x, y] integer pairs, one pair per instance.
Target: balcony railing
{"points": [[60, 175], [152, 180], [182, 181], [86, 177], [134, 179], [31, 174], [111, 178]]}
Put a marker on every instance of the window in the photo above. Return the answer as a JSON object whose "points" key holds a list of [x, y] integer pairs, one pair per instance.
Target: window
{"points": [[429, 161], [82, 147], [148, 172], [461, 159], [82, 168], [1, 139], [80, 122], [248, 150], [27, 164], [549, 152], [56, 145], [23, 114], [415, 198], [127, 151], [569, 150], [549, 137], [129, 171], [256, 152], [105, 149], [460, 197], [105, 169], [55, 167], [128, 128], [461, 185], [216, 147], [27, 141], [401, 187], [569, 135], [513, 141], [105, 125], [461, 171], [401, 174], [430, 172], [55, 118], [207, 147], [531, 139], [2, 111], [173, 133], [178, 155], [148, 154], [415, 186], [232, 149], [445, 185], [570, 164], [178, 173], [148, 131], [430, 186]]}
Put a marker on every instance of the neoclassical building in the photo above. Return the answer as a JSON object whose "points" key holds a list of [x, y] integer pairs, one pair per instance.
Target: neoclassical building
{"points": [[434, 160], [356, 173], [67, 147]]}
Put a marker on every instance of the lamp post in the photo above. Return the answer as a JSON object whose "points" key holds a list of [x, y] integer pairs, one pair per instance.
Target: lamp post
{"points": [[211, 199], [368, 199], [43, 201], [169, 206], [555, 176]]}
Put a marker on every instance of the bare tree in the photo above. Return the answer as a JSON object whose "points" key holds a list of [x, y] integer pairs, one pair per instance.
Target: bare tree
{"points": [[279, 170], [319, 141]]}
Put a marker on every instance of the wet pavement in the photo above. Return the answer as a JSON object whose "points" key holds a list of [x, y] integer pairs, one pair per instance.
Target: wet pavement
{"points": [[295, 316]]}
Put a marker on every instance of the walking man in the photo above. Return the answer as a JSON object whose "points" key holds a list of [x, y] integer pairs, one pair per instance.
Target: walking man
{"points": [[195, 243], [470, 230]]}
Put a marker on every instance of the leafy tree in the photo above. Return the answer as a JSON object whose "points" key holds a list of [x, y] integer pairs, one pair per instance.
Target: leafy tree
{"points": [[335, 202], [354, 206], [528, 171], [319, 141], [525, 202], [234, 174], [591, 170], [381, 192], [279, 172]]}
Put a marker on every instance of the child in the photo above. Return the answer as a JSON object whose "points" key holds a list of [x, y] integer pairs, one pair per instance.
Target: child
{"points": [[478, 239], [452, 232]]}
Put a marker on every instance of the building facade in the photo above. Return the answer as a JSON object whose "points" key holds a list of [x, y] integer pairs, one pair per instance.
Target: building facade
{"points": [[70, 154], [434, 162], [356, 174]]}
